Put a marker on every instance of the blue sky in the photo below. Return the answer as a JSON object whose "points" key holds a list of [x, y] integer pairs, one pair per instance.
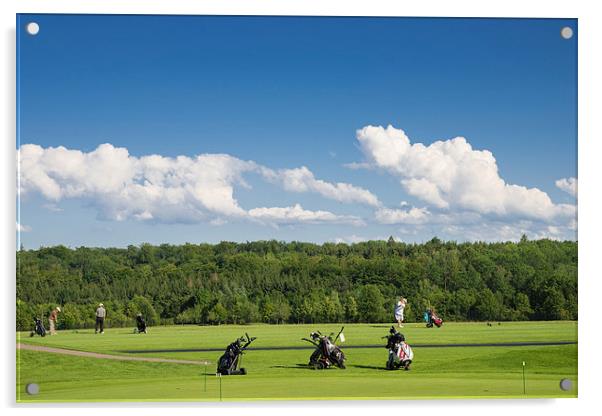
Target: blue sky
{"points": [[277, 94]]}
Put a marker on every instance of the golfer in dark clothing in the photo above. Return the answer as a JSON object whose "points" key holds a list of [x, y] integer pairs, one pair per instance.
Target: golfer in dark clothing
{"points": [[101, 313]]}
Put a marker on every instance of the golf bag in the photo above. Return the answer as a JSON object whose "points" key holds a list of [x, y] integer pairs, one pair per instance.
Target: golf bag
{"points": [[431, 318], [38, 328], [140, 325], [327, 353], [400, 353], [229, 363]]}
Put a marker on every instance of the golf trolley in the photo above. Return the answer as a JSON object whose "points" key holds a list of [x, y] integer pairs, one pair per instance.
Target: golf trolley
{"points": [[327, 353], [140, 325], [400, 353], [229, 363], [38, 328], [431, 318]]}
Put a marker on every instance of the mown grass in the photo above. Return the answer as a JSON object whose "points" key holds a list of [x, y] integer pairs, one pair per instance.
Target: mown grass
{"points": [[282, 374]]}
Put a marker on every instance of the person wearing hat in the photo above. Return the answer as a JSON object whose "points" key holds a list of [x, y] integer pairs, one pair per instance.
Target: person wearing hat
{"points": [[101, 313], [399, 307], [52, 320]]}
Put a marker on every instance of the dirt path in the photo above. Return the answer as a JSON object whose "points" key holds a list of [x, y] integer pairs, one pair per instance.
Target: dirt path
{"points": [[42, 348]]}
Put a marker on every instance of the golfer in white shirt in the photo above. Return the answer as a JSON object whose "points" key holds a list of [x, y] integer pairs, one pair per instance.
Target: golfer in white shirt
{"points": [[401, 304]]}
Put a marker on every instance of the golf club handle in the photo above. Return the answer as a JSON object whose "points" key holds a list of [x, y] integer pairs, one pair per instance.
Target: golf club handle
{"points": [[310, 341], [340, 332]]}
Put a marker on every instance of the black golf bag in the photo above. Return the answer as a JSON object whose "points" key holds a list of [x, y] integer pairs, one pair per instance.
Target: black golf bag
{"points": [[327, 353], [400, 353], [38, 328], [140, 325], [229, 363]]}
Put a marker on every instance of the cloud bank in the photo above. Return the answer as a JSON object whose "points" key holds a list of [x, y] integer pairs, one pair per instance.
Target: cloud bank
{"points": [[451, 175], [458, 190], [180, 189]]}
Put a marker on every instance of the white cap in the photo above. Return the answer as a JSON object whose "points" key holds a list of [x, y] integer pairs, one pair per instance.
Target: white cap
{"points": [[101, 304], [58, 308]]}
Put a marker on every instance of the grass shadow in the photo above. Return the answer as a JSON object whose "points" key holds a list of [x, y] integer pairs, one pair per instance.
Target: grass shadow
{"points": [[369, 367], [296, 366]]}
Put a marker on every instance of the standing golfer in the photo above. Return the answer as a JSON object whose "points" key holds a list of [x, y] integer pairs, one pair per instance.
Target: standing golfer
{"points": [[52, 320], [401, 304], [101, 313]]}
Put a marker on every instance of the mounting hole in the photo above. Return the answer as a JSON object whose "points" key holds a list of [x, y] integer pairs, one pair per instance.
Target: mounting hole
{"points": [[32, 28], [32, 388], [566, 384], [566, 32]]}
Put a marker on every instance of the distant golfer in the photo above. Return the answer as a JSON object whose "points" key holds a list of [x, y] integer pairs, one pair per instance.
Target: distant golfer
{"points": [[401, 304], [101, 313], [52, 320]]}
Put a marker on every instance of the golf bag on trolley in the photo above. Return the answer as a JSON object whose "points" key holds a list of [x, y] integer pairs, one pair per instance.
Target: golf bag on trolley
{"points": [[38, 328], [229, 363], [327, 353], [431, 318], [140, 324], [400, 353]]}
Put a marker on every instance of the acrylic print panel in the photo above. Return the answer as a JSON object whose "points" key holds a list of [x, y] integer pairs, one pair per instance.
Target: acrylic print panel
{"points": [[217, 208]]}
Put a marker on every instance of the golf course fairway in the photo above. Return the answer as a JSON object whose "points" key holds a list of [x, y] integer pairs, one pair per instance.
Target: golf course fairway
{"points": [[458, 360]]}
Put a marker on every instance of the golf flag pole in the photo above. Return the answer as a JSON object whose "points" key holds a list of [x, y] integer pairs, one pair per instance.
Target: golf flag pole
{"points": [[524, 384], [205, 376], [220, 386]]}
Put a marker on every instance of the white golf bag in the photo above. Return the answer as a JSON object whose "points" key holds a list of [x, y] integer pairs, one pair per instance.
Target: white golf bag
{"points": [[400, 353]]}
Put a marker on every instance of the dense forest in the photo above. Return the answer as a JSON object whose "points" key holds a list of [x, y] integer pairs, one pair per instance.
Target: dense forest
{"points": [[276, 282]]}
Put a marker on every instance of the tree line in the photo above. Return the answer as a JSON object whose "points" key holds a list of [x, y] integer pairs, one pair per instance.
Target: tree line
{"points": [[297, 282]]}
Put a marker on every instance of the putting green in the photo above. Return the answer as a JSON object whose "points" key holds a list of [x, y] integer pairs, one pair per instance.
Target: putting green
{"points": [[474, 372]]}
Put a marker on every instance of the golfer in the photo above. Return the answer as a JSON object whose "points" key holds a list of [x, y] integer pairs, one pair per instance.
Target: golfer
{"points": [[52, 320], [101, 313], [401, 304]]}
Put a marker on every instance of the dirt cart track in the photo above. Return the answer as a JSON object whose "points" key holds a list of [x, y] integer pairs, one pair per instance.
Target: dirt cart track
{"points": [[41, 348]]}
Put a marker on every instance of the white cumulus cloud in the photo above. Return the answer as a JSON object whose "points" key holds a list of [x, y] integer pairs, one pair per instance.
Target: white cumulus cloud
{"points": [[352, 239], [296, 214], [303, 180], [399, 216], [450, 174], [166, 189], [503, 231], [123, 186], [23, 228], [568, 185]]}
